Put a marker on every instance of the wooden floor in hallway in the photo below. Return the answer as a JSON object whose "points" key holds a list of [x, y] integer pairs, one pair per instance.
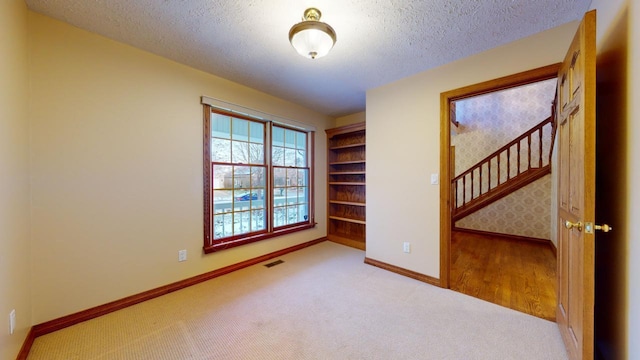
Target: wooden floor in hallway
{"points": [[517, 274]]}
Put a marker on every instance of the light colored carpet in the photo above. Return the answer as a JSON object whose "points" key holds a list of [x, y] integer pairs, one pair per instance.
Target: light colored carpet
{"points": [[323, 302]]}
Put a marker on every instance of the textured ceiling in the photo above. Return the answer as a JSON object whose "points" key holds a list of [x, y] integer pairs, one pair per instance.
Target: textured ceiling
{"points": [[379, 41]]}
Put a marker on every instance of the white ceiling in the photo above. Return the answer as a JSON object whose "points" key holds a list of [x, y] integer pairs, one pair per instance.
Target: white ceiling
{"points": [[379, 41]]}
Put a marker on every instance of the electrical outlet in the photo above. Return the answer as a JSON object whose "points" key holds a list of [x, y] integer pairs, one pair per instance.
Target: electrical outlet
{"points": [[406, 247], [12, 321], [182, 255]]}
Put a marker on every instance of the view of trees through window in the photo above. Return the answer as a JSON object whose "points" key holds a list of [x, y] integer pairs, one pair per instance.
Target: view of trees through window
{"points": [[254, 190]]}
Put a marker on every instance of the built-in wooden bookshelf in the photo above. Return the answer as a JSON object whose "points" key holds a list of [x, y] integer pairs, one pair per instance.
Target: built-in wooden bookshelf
{"points": [[346, 185]]}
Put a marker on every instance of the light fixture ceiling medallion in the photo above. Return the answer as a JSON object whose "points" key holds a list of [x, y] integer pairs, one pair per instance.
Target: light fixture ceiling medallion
{"points": [[312, 38]]}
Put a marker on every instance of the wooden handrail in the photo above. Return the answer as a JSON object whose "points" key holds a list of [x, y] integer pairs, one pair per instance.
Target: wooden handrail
{"points": [[505, 148], [488, 163]]}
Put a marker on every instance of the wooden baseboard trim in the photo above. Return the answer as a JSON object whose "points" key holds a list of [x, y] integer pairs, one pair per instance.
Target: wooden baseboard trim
{"points": [[402, 271], [506, 236], [69, 320], [26, 345]]}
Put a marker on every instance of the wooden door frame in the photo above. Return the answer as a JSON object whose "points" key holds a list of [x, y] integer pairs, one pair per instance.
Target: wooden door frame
{"points": [[519, 79]]}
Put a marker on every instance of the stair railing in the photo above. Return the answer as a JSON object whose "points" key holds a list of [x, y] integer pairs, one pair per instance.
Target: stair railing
{"points": [[524, 153]]}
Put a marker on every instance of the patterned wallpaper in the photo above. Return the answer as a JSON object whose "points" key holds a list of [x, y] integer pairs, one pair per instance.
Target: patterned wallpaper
{"points": [[488, 122], [525, 212]]}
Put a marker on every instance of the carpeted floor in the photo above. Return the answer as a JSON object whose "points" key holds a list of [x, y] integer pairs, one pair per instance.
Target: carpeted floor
{"points": [[323, 302]]}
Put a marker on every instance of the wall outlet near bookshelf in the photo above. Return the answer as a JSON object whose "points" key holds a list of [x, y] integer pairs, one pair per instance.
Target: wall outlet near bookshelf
{"points": [[406, 247]]}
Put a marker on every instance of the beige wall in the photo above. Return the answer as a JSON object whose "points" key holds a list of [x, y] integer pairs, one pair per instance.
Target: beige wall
{"points": [[409, 210], [524, 212], [117, 169], [350, 119], [15, 274]]}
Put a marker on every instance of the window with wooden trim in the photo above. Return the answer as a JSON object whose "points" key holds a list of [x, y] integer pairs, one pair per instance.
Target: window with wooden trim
{"points": [[257, 179]]}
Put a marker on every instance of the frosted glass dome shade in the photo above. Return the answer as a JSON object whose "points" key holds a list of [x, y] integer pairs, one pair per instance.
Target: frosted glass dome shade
{"points": [[311, 38]]}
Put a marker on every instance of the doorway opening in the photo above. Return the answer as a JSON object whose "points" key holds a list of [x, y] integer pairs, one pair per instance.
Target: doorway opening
{"points": [[497, 241]]}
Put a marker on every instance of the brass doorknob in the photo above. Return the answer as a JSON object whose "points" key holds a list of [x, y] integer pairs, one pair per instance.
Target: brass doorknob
{"points": [[603, 227], [569, 225]]}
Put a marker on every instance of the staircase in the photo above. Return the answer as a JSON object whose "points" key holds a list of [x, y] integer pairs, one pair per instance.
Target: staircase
{"points": [[524, 160]]}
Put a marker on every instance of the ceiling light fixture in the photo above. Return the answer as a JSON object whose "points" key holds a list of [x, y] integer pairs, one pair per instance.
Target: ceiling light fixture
{"points": [[312, 38]]}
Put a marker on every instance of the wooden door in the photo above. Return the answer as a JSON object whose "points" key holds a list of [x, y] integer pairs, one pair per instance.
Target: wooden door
{"points": [[576, 192]]}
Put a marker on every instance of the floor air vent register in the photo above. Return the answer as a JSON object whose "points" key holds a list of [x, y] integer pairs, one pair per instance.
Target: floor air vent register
{"points": [[271, 264]]}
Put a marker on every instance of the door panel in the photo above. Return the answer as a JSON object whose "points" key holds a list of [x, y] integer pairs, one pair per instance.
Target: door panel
{"points": [[576, 163], [576, 192]]}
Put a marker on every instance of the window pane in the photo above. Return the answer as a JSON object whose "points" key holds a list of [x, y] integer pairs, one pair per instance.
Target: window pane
{"points": [[278, 136], [292, 177], [220, 150], [241, 177], [222, 177], [277, 156], [220, 126], [279, 177], [301, 158], [222, 225], [242, 200], [256, 153], [292, 195], [292, 214], [290, 138], [301, 141], [258, 220], [303, 195], [303, 215], [240, 154], [241, 222], [240, 130], [289, 157], [258, 177], [279, 216], [302, 177], [256, 132], [258, 202], [222, 201]]}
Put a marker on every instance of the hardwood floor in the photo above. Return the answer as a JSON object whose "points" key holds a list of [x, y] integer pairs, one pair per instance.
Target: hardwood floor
{"points": [[517, 274]]}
